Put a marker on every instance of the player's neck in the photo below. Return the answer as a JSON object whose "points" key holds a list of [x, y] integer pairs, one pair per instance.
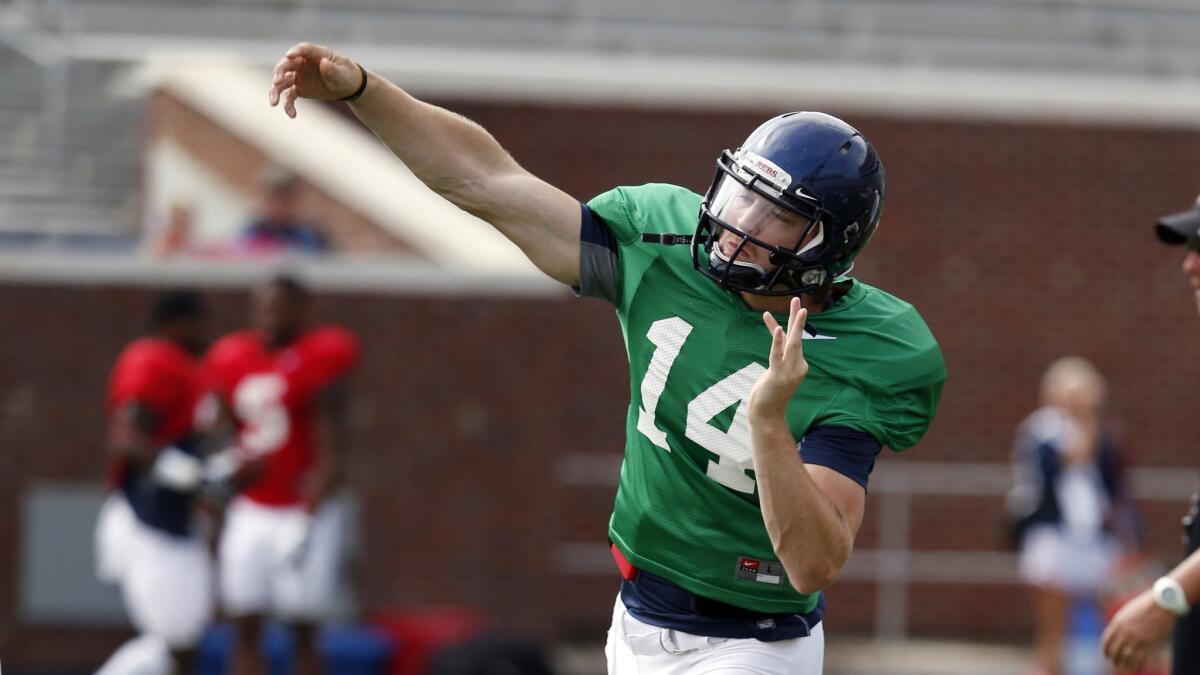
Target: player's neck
{"points": [[183, 341]]}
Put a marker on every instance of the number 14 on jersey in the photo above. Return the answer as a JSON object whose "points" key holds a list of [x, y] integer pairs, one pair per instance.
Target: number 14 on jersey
{"points": [[732, 447]]}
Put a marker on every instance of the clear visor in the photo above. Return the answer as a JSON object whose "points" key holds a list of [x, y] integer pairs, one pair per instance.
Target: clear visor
{"points": [[755, 215]]}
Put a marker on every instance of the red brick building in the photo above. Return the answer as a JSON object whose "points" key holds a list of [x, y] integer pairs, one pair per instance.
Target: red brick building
{"points": [[477, 417]]}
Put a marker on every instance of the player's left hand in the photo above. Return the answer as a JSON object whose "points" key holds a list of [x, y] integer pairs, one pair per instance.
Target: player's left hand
{"points": [[176, 469], [312, 71], [1135, 630], [786, 365]]}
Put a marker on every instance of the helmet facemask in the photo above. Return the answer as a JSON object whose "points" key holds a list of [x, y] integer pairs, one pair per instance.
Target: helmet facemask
{"points": [[748, 195]]}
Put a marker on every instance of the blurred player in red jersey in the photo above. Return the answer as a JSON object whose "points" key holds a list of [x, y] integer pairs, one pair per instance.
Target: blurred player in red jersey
{"points": [[283, 384], [145, 539]]}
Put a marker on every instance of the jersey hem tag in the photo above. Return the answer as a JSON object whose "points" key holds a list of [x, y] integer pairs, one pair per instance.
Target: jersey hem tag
{"points": [[759, 571]]}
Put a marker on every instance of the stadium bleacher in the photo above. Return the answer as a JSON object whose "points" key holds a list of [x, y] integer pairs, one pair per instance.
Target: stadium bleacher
{"points": [[69, 150]]}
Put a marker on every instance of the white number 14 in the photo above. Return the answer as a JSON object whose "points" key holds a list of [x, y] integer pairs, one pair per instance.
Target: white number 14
{"points": [[731, 447]]}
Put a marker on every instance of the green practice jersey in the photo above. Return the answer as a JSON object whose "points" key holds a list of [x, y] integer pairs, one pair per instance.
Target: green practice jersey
{"points": [[687, 507]]}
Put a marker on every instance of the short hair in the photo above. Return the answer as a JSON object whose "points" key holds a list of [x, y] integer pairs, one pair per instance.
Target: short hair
{"points": [[175, 304], [1068, 373], [276, 179]]}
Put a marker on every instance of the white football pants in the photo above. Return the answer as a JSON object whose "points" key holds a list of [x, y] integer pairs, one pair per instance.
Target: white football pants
{"points": [[254, 579], [166, 581], [637, 648], [143, 655]]}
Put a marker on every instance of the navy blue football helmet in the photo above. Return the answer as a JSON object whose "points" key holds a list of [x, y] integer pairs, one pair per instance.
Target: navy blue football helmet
{"points": [[809, 170]]}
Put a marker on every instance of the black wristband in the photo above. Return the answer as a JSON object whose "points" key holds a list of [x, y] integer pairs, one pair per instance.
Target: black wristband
{"points": [[361, 88]]}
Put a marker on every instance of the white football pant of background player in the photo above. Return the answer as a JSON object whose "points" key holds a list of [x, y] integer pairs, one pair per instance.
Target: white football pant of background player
{"points": [[166, 583], [280, 561], [143, 655]]}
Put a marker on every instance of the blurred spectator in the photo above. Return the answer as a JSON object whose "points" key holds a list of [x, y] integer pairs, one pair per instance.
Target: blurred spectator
{"points": [[174, 235], [283, 384], [1146, 620], [279, 225], [145, 538], [1069, 501]]}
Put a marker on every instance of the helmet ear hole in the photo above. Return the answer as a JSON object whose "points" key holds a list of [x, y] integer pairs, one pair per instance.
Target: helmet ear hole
{"points": [[851, 233], [813, 278]]}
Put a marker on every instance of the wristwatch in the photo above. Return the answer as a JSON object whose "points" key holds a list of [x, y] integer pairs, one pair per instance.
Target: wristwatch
{"points": [[1168, 594]]}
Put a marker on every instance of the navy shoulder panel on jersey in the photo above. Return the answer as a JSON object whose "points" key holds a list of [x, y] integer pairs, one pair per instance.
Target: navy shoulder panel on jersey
{"points": [[847, 451], [599, 255], [593, 230]]}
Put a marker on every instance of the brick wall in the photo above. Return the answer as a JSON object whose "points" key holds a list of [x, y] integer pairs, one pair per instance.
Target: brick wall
{"points": [[1019, 243]]}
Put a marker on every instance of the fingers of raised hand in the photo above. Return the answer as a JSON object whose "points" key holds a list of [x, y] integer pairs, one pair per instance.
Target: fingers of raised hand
{"points": [[787, 352], [796, 326], [306, 50], [289, 101], [282, 77], [286, 63], [795, 342], [775, 361], [281, 82], [770, 321], [794, 309]]}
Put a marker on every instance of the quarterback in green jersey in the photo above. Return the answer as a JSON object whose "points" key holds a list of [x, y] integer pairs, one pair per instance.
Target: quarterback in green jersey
{"points": [[764, 380]]}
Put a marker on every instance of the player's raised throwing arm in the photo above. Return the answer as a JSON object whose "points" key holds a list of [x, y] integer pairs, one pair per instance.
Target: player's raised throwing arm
{"points": [[455, 157]]}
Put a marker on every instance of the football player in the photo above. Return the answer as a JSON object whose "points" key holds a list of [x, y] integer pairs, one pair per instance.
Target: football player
{"points": [[146, 539], [724, 532], [1170, 605], [282, 383]]}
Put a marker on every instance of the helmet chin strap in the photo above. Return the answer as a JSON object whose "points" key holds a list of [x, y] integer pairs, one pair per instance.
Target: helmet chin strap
{"points": [[750, 274]]}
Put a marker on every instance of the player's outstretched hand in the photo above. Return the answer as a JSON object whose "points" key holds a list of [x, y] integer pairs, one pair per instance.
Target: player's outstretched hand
{"points": [[1135, 630], [786, 366], [312, 71]]}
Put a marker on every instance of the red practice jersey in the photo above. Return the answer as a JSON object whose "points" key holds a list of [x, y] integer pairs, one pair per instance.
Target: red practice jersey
{"points": [[163, 377], [273, 395]]}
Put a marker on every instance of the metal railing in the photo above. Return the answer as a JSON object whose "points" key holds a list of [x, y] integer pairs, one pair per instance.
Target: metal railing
{"points": [[893, 564]]}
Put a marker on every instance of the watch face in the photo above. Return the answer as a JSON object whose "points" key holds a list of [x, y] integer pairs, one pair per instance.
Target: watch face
{"points": [[1169, 596]]}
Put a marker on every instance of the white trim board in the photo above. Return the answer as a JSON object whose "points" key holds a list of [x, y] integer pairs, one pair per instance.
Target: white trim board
{"points": [[581, 77], [388, 275]]}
